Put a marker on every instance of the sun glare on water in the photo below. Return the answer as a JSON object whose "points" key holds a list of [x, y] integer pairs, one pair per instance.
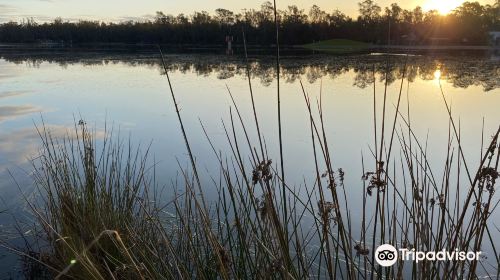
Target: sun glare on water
{"points": [[442, 6], [437, 74]]}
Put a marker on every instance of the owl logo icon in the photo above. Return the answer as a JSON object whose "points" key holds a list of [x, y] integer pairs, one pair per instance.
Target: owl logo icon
{"points": [[386, 255]]}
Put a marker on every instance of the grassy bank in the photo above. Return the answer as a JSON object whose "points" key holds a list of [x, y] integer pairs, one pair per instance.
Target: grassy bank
{"points": [[338, 46]]}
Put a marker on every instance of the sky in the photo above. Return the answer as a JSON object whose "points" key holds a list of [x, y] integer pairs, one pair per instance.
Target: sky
{"points": [[121, 10]]}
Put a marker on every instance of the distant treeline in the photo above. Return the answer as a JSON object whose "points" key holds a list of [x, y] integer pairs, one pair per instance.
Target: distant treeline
{"points": [[468, 24]]}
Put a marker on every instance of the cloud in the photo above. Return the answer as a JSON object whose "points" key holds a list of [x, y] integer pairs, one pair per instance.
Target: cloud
{"points": [[21, 17], [135, 18], [7, 12], [13, 13], [7, 9]]}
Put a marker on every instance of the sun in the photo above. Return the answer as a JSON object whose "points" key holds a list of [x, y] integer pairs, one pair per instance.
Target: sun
{"points": [[442, 6]]}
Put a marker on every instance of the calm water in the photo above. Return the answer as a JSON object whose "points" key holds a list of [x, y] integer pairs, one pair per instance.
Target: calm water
{"points": [[130, 92]]}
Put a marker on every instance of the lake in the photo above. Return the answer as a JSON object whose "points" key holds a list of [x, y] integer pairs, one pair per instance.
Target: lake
{"points": [[129, 92]]}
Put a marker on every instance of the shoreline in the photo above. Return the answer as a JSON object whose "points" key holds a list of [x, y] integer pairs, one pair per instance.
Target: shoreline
{"points": [[236, 46]]}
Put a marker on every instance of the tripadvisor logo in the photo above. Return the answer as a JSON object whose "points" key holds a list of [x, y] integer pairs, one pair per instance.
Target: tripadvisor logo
{"points": [[387, 255]]}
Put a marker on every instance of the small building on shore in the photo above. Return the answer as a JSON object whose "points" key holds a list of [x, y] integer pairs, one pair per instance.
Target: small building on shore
{"points": [[495, 38]]}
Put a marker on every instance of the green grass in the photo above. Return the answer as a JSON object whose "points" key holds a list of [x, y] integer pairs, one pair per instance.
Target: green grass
{"points": [[337, 46]]}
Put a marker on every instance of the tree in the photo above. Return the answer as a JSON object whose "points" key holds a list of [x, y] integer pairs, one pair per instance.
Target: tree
{"points": [[418, 15], [468, 24], [181, 19], [337, 18], [394, 13], [161, 18], [225, 17], [294, 15], [368, 25], [316, 15], [471, 20], [369, 10], [492, 16], [200, 18], [267, 11]]}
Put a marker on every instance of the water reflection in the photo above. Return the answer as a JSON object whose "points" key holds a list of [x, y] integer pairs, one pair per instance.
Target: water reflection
{"points": [[6, 94], [127, 90], [437, 74], [19, 145], [12, 112], [460, 71]]}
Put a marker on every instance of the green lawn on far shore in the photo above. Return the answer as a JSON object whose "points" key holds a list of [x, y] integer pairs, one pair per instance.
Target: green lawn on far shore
{"points": [[337, 46]]}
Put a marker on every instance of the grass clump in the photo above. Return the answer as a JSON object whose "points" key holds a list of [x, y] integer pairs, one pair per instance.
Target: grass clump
{"points": [[92, 214]]}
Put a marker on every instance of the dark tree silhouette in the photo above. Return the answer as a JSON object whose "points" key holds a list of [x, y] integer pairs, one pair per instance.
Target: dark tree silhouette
{"points": [[468, 24]]}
